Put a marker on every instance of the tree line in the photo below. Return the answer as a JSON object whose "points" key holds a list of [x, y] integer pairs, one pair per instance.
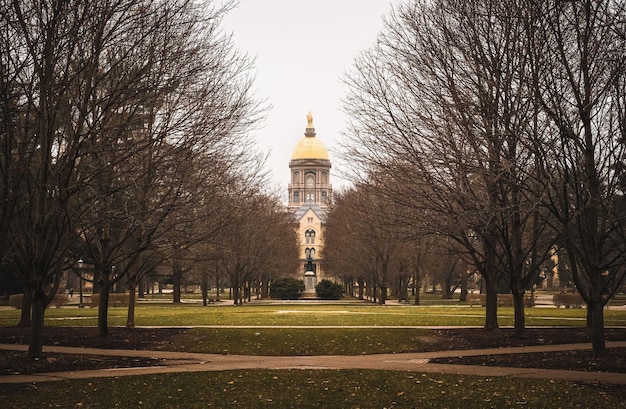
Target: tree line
{"points": [[494, 131], [125, 136]]}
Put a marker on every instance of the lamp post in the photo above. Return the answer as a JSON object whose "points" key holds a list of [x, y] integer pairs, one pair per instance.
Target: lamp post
{"points": [[81, 263]]}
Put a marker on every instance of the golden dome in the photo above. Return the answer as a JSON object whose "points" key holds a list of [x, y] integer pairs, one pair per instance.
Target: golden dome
{"points": [[310, 147]]}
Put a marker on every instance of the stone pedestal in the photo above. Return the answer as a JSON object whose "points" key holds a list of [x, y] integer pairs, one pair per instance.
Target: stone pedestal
{"points": [[310, 281]]}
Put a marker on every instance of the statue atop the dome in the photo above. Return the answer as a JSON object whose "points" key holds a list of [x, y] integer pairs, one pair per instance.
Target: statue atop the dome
{"points": [[309, 119]]}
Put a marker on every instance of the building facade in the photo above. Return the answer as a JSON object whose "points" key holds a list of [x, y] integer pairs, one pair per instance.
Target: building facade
{"points": [[309, 197]]}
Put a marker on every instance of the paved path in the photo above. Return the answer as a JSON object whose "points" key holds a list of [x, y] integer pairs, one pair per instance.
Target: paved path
{"points": [[418, 362]]}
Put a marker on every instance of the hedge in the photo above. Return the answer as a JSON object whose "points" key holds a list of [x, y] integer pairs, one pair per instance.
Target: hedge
{"points": [[15, 300], [504, 300], [286, 288], [327, 290], [115, 300], [568, 300]]}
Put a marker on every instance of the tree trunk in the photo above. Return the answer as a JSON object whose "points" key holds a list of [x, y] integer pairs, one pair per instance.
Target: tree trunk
{"points": [[177, 277], [103, 305], [130, 320], [27, 302], [35, 344], [217, 285], [204, 288], [265, 289], [236, 293], [417, 283], [519, 317], [463, 297], [361, 289], [490, 276], [383, 294], [597, 327], [491, 311], [96, 281]]}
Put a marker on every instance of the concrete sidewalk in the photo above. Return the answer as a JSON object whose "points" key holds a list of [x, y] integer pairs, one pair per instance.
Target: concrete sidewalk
{"points": [[417, 362]]}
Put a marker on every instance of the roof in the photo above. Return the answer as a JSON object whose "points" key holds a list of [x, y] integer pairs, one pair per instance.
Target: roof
{"points": [[310, 205], [310, 147]]}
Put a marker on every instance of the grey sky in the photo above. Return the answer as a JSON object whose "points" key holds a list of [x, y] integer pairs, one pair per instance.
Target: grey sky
{"points": [[302, 49]]}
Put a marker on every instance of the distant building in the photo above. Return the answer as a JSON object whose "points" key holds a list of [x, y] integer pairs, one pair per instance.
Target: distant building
{"points": [[309, 196]]}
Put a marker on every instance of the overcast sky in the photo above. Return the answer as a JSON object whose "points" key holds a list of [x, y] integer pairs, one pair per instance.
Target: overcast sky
{"points": [[302, 49]]}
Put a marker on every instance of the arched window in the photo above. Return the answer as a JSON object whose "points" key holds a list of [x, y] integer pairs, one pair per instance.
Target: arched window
{"points": [[309, 252], [309, 235]]}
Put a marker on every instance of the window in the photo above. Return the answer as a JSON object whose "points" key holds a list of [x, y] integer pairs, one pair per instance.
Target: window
{"points": [[296, 197], [309, 252], [309, 235]]}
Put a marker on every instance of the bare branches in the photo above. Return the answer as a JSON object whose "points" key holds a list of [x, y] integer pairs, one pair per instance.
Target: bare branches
{"points": [[123, 124]]}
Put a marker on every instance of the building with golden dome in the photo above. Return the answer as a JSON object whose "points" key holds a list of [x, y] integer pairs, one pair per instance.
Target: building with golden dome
{"points": [[309, 196]]}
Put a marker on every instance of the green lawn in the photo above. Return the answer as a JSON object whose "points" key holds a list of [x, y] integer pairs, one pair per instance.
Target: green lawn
{"points": [[290, 314], [309, 388]]}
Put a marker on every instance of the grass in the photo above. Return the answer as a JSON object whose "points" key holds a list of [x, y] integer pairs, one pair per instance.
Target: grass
{"points": [[298, 314], [284, 342], [308, 389]]}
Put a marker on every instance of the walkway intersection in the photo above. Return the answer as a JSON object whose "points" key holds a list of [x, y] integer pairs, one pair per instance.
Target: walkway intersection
{"points": [[418, 362]]}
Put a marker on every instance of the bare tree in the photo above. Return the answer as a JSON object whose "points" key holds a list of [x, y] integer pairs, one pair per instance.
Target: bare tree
{"points": [[363, 241], [102, 105], [54, 58], [340, 252], [441, 104], [579, 58], [173, 148], [261, 244]]}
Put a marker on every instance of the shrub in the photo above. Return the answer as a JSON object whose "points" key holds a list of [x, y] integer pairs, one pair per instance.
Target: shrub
{"points": [[115, 300], [327, 290], [568, 300], [15, 301], [286, 288], [504, 300], [60, 299]]}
